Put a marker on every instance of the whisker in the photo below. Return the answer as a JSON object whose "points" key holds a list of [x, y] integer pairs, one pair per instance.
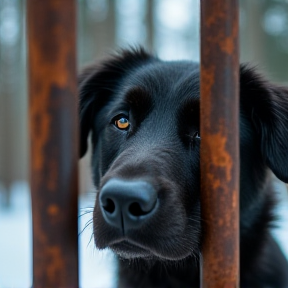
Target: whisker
{"points": [[86, 225], [91, 237], [85, 213]]}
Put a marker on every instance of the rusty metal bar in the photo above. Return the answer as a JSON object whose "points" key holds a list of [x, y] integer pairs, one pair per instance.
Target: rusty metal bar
{"points": [[53, 133], [220, 143]]}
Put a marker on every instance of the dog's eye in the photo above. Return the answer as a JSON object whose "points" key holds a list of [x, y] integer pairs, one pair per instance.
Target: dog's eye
{"points": [[122, 123], [194, 139], [196, 135]]}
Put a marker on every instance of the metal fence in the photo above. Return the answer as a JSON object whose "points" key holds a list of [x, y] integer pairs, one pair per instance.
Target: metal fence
{"points": [[53, 133], [54, 150], [219, 152]]}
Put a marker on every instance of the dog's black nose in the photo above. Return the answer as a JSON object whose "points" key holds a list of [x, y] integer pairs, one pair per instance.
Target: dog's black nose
{"points": [[127, 204]]}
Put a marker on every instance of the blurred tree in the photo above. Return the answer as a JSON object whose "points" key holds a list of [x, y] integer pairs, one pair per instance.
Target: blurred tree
{"points": [[264, 36], [13, 107], [168, 27]]}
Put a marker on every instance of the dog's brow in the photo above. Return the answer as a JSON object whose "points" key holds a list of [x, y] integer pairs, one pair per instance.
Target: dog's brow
{"points": [[190, 109], [190, 104], [137, 96]]}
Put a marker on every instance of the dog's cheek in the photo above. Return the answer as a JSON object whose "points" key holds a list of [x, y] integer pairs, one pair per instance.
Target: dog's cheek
{"points": [[172, 208], [112, 144], [190, 192], [96, 165], [101, 230], [105, 151]]}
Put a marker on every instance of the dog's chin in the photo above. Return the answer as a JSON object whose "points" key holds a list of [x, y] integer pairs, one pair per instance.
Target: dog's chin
{"points": [[128, 250]]}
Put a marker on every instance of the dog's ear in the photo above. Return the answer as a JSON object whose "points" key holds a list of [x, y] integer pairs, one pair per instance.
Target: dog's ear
{"points": [[98, 83], [267, 105]]}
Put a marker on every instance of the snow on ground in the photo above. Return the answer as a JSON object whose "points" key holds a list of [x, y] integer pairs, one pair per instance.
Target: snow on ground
{"points": [[97, 269], [281, 233]]}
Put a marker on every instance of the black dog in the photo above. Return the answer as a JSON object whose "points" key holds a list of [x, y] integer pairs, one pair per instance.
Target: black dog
{"points": [[144, 118]]}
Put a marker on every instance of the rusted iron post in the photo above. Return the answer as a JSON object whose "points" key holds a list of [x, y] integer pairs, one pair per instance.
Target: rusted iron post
{"points": [[53, 133], [220, 143]]}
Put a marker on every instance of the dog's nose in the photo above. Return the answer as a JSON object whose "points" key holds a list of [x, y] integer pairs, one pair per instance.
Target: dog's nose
{"points": [[127, 204]]}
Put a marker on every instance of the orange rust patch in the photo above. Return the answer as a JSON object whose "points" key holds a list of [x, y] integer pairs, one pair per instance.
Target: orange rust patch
{"points": [[220, 222], [215, 181], [207, 82], [227, 45], [56, 263], [235, 199], [53, 210], [220, 157], [39, 128]]}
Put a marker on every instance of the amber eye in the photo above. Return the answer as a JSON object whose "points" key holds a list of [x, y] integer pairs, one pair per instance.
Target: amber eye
{"points": [[122, 123], [196, 135]]}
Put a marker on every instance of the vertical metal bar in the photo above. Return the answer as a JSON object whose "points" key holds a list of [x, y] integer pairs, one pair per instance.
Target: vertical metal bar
{"points": [[53, 134], [220, 143]]}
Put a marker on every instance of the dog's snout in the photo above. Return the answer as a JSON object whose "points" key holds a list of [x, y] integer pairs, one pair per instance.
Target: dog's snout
{"points": [[127, 204]]}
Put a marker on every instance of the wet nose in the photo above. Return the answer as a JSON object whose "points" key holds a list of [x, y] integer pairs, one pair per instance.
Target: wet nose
{"points": [[127, 204]]}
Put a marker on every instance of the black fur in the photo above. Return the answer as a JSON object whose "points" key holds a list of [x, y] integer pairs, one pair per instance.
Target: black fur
{"points": [[161, 100]]}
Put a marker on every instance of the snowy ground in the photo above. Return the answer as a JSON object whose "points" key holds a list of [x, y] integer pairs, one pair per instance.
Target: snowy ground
{"points": [[97, 269]]}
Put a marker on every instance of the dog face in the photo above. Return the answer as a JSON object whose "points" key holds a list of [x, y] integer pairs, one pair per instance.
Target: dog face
{"points": [[144, 118]]}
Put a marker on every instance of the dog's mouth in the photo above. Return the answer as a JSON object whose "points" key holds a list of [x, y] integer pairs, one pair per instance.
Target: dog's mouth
{"points": [[128, 249]]}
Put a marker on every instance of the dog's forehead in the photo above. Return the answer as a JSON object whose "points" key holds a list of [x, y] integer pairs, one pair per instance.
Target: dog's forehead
{"points": [[169, 81]]}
